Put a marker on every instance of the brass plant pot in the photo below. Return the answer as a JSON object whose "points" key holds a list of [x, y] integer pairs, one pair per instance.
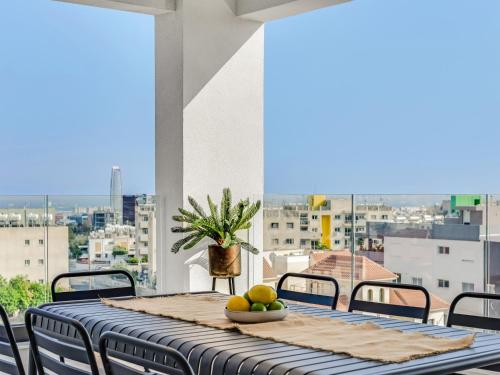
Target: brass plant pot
{"points": [[224, 262]]}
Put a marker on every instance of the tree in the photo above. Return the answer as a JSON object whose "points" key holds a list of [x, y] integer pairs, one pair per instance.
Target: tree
{"points": [[119, 250], [133, 260], [19, 293]]}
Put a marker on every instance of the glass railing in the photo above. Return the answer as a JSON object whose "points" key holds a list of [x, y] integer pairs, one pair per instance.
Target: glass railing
{"points": [[447, 243], [43, 236]]}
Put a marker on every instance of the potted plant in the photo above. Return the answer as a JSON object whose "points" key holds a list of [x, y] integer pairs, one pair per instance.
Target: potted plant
{"points": [[221, 226]]}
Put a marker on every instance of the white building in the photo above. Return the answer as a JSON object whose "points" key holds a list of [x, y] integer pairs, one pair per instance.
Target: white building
{"points": [[103, 241], [445, 267], [27, 252]]}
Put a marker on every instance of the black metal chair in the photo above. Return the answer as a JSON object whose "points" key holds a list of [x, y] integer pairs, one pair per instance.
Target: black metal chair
{"points": [[316, 299], [414, 312], [59, 296], [59, 344], [141, 353], [474, 321], [8, 348]]}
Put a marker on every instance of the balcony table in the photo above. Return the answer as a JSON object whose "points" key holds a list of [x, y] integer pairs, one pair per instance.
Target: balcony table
{"points": [[214, 351]]}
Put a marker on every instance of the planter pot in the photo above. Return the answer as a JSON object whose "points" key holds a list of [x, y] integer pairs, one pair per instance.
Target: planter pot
{"points": [[224, 262]]}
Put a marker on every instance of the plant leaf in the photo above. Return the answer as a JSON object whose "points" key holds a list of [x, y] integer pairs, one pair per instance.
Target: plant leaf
{"points": [[196, 206], [194, 241], [214, 213], [248, 247], [182, 229], [177, 246]]}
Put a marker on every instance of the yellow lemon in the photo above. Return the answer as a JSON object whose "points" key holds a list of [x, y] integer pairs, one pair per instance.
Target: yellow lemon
{"points": [[238, 303], [262, 294]]}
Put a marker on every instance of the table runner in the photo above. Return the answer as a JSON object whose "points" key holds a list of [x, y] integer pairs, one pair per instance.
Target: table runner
{"points": [[365, 340]]}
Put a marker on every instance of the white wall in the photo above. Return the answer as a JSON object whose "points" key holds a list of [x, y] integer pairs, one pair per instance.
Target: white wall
{"points": [[209, 127], [418, 257]]}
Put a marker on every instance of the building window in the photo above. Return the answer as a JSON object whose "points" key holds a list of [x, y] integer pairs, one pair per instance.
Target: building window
{"points": [[41, 281], [382, 295], [444, 250], [314, 230], [337, 217], [145, 230], [145, 218], [303, 229], [146, 243], [385, 217], [40, 242], [467, 287], [289, 225], [315, 244], [370, 295], [27, 262], [289, 241], [275, 225], [373, 217], [27, 242], [314, 217], [275, 241], [338, 229], [443, 283], [40, 262], [416, 281], [303, 242], [337, 242]]}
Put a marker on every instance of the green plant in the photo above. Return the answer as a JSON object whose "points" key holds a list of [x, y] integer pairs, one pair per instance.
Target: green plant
{"points": [[133, 260], [119, 250], [221, 225], [144, 259]]}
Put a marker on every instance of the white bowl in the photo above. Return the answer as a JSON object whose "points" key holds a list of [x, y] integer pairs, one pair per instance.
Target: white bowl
{"points": [[256, 316]]}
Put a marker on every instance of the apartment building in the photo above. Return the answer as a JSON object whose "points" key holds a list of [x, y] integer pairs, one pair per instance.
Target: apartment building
{"points": [[39, 253], [145, 233], [321, 223], [103, 241]]}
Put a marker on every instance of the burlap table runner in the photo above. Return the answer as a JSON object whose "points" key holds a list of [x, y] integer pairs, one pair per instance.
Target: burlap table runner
{"points": [[365, 341]]}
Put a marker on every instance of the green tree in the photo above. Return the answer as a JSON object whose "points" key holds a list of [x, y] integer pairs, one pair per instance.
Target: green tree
{"points": [[133, 260], [19, 293], [144, 259], [119, 250]]}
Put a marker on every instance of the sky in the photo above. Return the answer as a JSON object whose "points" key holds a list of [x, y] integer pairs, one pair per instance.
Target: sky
{"points": [[387, 96]]}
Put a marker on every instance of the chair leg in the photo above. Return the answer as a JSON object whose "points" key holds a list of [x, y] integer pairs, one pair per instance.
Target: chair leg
{"points": [[213, 283]]}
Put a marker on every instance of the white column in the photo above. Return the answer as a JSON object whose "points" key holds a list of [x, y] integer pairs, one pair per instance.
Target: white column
{"points": [[209, 127]]}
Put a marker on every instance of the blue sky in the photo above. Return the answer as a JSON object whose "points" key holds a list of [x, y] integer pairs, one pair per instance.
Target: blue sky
{"points": [[390, 96]]}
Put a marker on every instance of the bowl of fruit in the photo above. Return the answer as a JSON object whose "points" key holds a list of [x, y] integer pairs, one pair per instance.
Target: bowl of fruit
{"points": [[259, 305]]}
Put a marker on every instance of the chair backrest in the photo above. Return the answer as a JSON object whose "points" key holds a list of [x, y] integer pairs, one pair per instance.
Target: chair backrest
{"points": [[123, 355], [473, 321], [126, 291], [416, 312], [8, 348], [309, 297], [59, 344]]}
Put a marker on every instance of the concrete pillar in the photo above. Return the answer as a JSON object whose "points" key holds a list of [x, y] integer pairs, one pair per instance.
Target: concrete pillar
{"points": [[209, 127]]}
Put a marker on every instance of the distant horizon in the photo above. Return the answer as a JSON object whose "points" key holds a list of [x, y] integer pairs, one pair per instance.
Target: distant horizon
{"points": [[387, 97]]}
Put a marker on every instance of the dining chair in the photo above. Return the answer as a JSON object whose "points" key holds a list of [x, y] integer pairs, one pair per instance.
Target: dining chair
{"points": [[59, 344], [415, 312], [75, 295], [474, 321], [136, 355], [312, 298], [9, 349]]}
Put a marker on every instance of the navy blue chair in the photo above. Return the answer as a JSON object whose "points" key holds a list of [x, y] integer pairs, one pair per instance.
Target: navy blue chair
{"points": [[135, 353], [9, 349], [66, 346], [474, 321], [414, 312], [316, 299], [76, 295]]}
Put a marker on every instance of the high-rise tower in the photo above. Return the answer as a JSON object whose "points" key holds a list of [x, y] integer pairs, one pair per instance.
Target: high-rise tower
{"points": [[115, 193]]}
